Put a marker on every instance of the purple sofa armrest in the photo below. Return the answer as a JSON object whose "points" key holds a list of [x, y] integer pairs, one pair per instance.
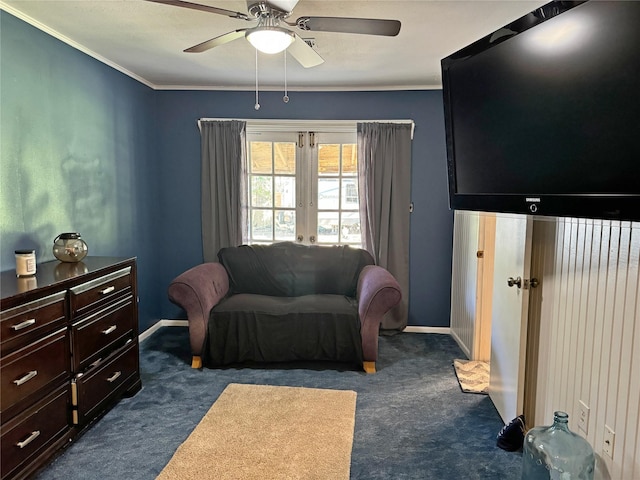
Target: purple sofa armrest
{"points": [[197, 291], [378, 292]]}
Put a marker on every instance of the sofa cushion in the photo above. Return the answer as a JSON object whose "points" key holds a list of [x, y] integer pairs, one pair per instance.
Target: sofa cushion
{"points": [[290, 270], [259, 328]]}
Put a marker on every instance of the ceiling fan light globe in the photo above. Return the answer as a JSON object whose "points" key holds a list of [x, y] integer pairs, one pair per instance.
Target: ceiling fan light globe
{"points": [[270, 39]]}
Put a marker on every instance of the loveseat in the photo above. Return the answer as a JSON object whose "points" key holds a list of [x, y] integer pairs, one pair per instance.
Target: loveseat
{"points": [[285, 302]]}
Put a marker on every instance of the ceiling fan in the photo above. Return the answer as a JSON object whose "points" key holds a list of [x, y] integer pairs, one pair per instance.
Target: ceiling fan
{"points": [[269, 36]]}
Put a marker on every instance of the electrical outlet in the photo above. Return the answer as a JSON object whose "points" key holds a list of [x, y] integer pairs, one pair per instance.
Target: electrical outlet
{"points": [[607, 445], [583, 416]]}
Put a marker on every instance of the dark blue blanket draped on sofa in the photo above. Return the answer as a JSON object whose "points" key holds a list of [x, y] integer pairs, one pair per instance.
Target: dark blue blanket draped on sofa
{"points": [[288, 302], [283, 302]]}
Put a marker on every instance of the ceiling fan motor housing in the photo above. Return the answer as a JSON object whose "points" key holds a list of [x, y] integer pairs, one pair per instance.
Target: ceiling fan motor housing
{"points": [[265, 9]]}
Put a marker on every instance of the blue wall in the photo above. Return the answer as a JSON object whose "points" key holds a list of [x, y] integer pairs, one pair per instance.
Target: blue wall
{"points": [[87, 149], [77, 150], [431, 222]]}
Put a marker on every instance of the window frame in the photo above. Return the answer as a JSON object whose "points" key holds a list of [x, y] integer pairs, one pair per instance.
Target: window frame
{"points": [[306, 200]]}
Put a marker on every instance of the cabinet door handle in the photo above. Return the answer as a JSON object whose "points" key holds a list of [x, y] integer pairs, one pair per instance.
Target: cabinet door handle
{"points": [[25, 324], [35, 434], [26, 378], [109, 330], [114, 377], [107, 290]]}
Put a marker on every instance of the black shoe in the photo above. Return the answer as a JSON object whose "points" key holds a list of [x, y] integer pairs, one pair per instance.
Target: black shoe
{"points": [[511, 437]]}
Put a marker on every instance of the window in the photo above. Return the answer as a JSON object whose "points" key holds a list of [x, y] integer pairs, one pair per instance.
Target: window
{"points": [[303, 186], [338, 217], [272, 190]]}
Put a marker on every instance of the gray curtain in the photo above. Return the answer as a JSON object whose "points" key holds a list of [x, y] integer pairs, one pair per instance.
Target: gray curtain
{"points": [[384, 182], [223, 185]]}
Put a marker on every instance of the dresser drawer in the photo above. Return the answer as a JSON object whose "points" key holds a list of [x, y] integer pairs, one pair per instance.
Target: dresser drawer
{"points": [[22, 325], [32, 370], [93, 390], [91, 295], [95, 336], [32, 432]]}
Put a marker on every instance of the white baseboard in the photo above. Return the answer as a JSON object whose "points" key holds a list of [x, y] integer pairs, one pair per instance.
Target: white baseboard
{"points": [[158, 325], [461, 344], [185, 323], [416, 329]]}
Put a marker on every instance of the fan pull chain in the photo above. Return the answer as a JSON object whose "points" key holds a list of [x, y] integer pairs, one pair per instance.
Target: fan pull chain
{"points": [[257, 105], [285, 99]]}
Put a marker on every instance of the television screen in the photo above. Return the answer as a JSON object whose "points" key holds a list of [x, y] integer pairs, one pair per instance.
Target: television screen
{"points": [[543, 115]]}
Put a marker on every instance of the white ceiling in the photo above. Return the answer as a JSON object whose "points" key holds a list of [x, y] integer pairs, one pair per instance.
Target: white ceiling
{"points": [[146, 41]]}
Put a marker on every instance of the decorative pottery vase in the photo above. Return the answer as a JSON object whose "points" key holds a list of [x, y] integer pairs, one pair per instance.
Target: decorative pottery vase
{"points": [[556, 453]]}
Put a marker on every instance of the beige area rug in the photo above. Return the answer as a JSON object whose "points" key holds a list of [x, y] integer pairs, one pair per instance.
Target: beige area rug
{"points": [[473, 375], [267, 432]]}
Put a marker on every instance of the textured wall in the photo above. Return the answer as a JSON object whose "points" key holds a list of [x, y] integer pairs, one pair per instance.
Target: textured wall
{"points": [[589, 335], [464, 282], [75, 147]]}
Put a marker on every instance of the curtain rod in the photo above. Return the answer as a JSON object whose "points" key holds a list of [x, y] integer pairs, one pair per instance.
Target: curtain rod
{"points": [[318, 125]]}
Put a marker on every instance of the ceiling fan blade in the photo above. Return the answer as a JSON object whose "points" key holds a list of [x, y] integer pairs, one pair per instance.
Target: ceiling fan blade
{"points": [[304, 54], [217, 41], [204, 8], [368, 26]]}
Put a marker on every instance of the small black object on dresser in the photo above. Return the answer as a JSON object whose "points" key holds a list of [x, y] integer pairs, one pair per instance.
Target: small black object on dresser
{"points": [[68, 352]]}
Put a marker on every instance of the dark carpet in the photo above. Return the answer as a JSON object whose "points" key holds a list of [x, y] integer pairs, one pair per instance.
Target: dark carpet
{"points": [[412, 419]]}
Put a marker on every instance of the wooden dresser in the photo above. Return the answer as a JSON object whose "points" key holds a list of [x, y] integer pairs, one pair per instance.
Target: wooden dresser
{"points": [[68, 352]]}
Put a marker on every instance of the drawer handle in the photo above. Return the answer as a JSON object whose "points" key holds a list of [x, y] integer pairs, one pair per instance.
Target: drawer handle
{"points": [[26, 378], [114, 377], [112, 328], [25, 324], [107, 290], [35, 434]]}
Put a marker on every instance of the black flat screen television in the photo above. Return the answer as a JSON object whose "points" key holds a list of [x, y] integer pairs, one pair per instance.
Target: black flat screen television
{"points": [[543, 116]]}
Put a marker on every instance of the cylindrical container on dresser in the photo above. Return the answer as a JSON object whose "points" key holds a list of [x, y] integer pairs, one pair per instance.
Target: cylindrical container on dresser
{"points": [[25, 262]]}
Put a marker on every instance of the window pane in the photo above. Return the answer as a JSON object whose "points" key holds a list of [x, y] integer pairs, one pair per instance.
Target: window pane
{"points": [[262, 224], [261, 191], [350, 228], [285, 157], [285, 192], [285, 225], [260, 157], [349, 159], [349, 194], [328, 159], [283, 204], [328, 191], [328, 227]]}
